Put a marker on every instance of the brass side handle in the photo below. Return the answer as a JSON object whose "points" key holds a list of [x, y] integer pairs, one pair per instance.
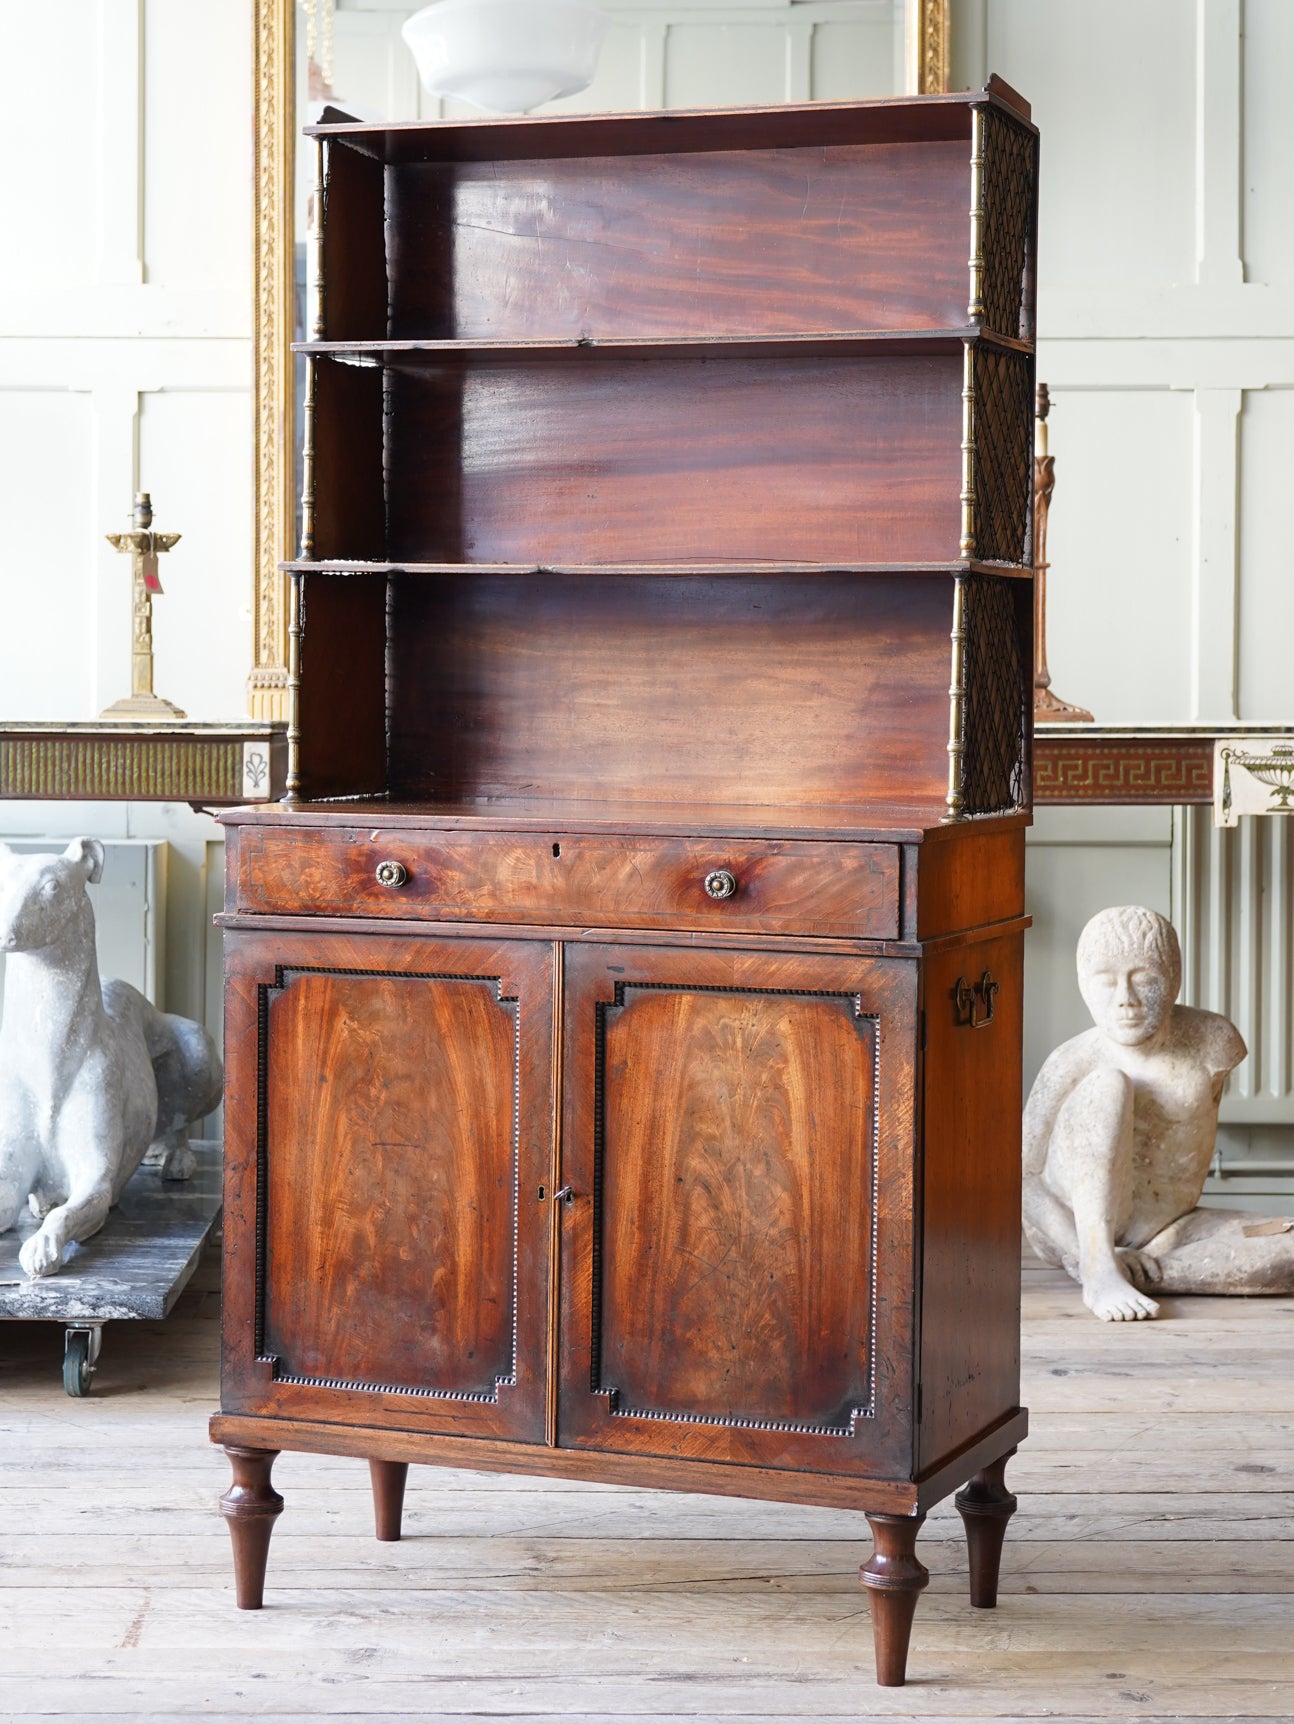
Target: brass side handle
{"points": [[391, 873], [720, 883], [974, 1001]]}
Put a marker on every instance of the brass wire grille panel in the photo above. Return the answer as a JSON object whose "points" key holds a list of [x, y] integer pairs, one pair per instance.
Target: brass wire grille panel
{"points": [[1007, 205], [995, 708], [1003, 442]]}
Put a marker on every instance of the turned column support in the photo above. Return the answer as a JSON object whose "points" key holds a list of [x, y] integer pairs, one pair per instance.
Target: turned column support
{"points": [[986, 1505], [250, 1507], [389, 1479], [895, 1579]]}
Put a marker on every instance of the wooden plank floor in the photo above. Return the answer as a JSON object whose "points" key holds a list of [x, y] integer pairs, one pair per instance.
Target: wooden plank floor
{"points": [[1149, 1573]]}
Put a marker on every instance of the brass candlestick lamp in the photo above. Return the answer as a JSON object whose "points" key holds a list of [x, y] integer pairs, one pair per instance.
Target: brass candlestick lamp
{"points": [[145, 546], [1048, 708]]}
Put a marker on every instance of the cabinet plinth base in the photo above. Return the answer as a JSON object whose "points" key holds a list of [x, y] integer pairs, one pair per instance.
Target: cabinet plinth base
{"points": [[763, 1484]]}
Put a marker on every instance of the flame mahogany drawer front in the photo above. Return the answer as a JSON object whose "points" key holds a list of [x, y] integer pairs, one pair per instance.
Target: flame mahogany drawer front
{"points": [[791, 886]]}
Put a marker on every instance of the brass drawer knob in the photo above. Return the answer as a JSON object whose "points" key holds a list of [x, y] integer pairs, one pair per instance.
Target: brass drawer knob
{"points": [[719, 883], [391, 873]]}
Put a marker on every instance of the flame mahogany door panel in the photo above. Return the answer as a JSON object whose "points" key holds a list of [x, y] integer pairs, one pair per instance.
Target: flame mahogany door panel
{"points": [[389, 1131], [737, 1241]]}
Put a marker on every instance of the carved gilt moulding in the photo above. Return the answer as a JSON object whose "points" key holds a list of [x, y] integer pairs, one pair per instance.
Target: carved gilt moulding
{"points": [[928, 37]]}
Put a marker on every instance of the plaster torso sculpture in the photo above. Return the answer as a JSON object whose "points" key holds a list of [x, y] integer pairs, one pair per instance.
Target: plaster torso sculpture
{"points": [[1119, 1131], [91, 1074]]}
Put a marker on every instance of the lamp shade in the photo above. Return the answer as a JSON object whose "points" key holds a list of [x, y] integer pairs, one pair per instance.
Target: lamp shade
{"points": [[505, 55]]}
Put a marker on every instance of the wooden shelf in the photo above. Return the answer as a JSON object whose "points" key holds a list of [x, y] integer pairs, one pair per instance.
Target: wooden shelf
{"points": [[881, 343], [787, 126], [623, 570], [208, 765], [892, 823]]}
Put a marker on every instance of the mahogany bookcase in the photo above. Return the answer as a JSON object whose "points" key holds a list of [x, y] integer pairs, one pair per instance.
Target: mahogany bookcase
{"points": [[623, 1010]]}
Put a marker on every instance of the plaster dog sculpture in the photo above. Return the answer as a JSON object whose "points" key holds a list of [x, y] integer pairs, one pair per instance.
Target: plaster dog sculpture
{"points": [[1119, 1132], [91, 1074]]}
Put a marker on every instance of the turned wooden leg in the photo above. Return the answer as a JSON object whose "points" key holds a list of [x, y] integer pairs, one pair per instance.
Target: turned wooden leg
{"points": [[250, 1506], [388, 1497], [986, 1505], [894, 1579]]}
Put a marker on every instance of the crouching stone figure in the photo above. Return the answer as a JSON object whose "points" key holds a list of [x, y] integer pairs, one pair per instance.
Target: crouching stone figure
{"points": [[91, 1074], [1119, 1131]]}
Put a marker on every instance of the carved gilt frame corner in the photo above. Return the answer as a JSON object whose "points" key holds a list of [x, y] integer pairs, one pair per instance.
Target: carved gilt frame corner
{"points": [[274, 396], [928, 36]]}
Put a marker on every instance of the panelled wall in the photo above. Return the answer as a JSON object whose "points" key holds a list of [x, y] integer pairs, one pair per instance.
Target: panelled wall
{"points": [[1166, 312], [1166, 316], [125, 321]]}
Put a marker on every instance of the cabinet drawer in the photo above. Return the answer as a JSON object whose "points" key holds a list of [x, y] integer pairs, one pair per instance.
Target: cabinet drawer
{"points": [[774, 886]]}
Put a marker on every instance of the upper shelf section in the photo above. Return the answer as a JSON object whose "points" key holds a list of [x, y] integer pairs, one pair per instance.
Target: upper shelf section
{"points": [[847, 220]]}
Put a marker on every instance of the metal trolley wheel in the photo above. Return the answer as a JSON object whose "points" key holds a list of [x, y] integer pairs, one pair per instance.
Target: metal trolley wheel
{"points": [[80, 1351]]}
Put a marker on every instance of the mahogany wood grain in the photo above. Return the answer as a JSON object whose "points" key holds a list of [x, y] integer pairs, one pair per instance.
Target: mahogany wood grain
{"points": [[735, 1206], [722, 1137], [394, 1440], [388, 1132], [788, 886], [895, 1578], [673, 460], [250, 1506], [676, 244], [391, 1188], [389, 1479], [753, 691], [968, 883], [970, 1202], [986, 1505]]}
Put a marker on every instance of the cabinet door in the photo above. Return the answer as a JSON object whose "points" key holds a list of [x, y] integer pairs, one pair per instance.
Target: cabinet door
{"points": [[737, 1245], [389, 1132]]}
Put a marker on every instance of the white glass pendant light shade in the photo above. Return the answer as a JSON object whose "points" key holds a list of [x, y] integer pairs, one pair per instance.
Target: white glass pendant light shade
{"points": [[506, 55]]}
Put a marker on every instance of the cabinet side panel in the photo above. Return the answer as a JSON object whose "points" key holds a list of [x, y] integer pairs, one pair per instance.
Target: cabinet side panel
{"points": [[354, 251], [348, 489], [841, 237], [343, 685], [391, 1150], [737, 1145], [968, 877], [604, 459], [970, 1302]]}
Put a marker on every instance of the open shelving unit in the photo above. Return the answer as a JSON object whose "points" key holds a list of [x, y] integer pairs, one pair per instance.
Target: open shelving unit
{"points": [[648, 890]]}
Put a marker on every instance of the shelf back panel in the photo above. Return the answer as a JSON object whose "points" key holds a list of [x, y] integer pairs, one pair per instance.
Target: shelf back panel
{"points": [[674, 461], [737, 689], [832, 239]]}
